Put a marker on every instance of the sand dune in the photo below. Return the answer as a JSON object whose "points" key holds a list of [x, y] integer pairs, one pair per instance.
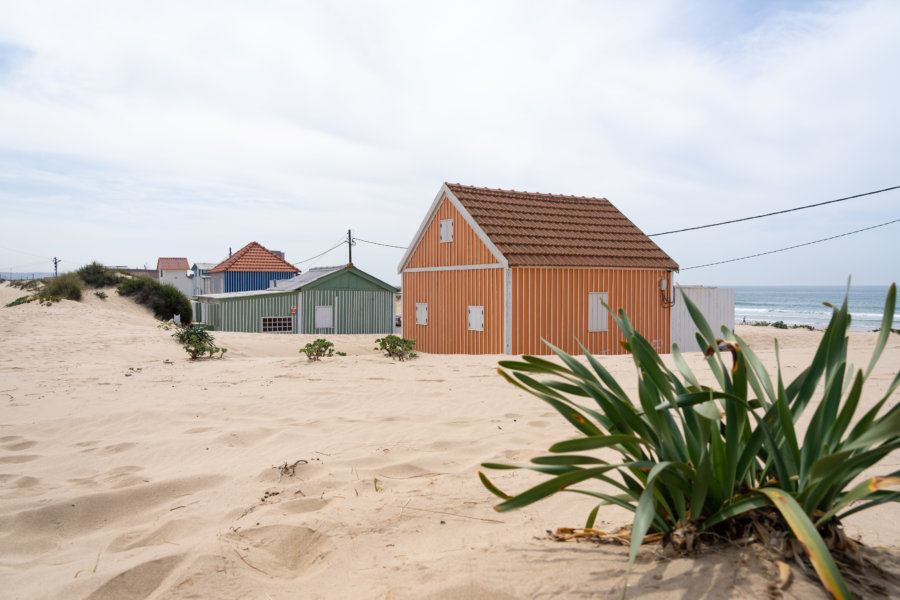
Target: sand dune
{"points": [[129, 471]]}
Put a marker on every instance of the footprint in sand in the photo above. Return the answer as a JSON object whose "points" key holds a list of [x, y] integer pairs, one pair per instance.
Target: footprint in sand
{"points": [[116, 448], [17, 446], [35, 531], [285, 551], [19, 458], [169, 533], [137, 582]]}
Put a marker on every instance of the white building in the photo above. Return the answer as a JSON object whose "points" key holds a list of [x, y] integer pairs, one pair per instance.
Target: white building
{"points": [[176, 272]]}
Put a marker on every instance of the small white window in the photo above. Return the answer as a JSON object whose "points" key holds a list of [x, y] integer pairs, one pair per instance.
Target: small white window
{"points": [[446, 230], [421, 313], [324, 317], [476, 318], [277, 324], [598, 316]]}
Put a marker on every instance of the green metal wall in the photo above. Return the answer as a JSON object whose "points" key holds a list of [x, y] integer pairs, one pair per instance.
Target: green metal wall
{"points": [[358, 311], [212, 315], [245, 314]]}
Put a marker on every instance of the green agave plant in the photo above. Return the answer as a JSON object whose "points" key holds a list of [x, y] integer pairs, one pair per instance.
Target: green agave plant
{"points": [[694, 458]]}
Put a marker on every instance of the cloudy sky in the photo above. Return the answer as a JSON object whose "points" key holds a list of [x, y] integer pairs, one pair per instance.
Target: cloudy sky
{"points": [[133, 130]]}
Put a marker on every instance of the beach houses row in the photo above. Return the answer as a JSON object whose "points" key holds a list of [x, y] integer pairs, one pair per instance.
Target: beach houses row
{"points": [[255, 290], [488, 271], [328, 300]]}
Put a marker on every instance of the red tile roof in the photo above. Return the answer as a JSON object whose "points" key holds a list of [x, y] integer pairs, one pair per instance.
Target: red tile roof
{"points": [[255, 257], [550, 230], [172, 264]]}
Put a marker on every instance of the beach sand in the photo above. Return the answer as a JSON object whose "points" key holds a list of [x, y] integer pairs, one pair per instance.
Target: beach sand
{"points": [[129, 471]]}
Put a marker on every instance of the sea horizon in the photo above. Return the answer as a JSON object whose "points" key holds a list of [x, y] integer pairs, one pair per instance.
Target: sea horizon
{"points": [[804, 305]]}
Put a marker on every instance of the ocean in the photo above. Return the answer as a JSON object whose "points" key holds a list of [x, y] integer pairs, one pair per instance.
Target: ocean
{"points": [[802, 305]]}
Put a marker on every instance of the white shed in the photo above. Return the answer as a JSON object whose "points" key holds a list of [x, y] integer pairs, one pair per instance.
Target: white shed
{"points": [[716, 304]]}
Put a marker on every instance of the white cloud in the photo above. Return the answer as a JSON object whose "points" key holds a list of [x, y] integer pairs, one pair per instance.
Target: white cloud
{"points": [[214, 124]]}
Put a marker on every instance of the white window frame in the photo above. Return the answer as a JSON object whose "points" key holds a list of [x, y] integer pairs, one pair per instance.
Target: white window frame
{"points": [[277, 324], [318, 312], [598, 316], [475, 318], [421, 313], [446, 229]]}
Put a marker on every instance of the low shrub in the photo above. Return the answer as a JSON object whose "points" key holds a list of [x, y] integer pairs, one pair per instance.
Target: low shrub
{"points": [[20, 300], [197, 341], [101, 294], [96, 275], [700, 464], [317, 349], [28, 285], [67, 285], [164, 300], [396, 347]]}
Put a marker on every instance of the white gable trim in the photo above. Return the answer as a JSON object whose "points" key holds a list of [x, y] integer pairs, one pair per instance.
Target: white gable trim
{"points": [[429, 217]]}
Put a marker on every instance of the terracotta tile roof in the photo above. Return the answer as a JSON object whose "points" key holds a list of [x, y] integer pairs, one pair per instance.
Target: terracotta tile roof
{"points": [[255, 257], [550, 230], [172, 264]]}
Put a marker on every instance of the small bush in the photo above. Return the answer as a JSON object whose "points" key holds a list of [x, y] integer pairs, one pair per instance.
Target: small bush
{"points": [[28, 285], [197, 341], [101, 294], [396, 347], [67, 285], [199, 330], [317, 349], [164, 300], [20, 300], [96, 275]]}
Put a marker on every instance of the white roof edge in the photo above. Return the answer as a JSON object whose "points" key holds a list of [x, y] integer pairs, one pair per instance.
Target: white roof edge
{"points": [[429, 216], [422, 227]]}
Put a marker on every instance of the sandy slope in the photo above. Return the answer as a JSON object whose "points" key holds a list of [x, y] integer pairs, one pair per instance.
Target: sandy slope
{"points": [[129, 471]]}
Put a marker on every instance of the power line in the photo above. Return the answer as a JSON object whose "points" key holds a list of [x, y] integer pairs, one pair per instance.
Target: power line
{"points": [[28, 253], [380, 244], [341, 243], [779, 212], [791, 247]]}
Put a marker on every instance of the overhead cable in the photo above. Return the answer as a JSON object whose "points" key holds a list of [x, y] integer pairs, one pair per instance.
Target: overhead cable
{"points": [[341, 243], [778, 212], [380, 244], [28, 253], [791, 247]]}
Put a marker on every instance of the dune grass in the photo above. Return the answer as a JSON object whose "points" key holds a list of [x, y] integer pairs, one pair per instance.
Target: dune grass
{"points": [[699, 463]]}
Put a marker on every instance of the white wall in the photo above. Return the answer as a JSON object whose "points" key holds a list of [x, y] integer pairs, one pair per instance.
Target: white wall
{"points": [[180, 280], [716, 304]]}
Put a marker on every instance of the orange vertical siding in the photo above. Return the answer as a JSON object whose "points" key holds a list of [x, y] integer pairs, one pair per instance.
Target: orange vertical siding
{"points": [[449, 294], [552, 303], [465, 249]]}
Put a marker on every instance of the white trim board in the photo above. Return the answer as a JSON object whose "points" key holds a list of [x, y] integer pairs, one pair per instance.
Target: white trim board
{"points": [[452, 268]]}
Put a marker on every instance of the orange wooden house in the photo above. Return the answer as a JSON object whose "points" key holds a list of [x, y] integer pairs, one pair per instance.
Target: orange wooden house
{"points": [[495, 271]]}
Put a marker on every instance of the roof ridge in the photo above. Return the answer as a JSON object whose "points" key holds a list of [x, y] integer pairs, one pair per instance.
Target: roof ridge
{"points": [[500, 192], [233, 260], [534, 229]]}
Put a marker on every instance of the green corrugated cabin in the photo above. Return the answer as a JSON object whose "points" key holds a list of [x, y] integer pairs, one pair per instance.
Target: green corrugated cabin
{"points": [[326, 300]]}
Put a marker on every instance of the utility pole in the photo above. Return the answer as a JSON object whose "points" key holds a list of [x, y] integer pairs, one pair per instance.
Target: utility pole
{"points": [[350, 247], [56, 262]]}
